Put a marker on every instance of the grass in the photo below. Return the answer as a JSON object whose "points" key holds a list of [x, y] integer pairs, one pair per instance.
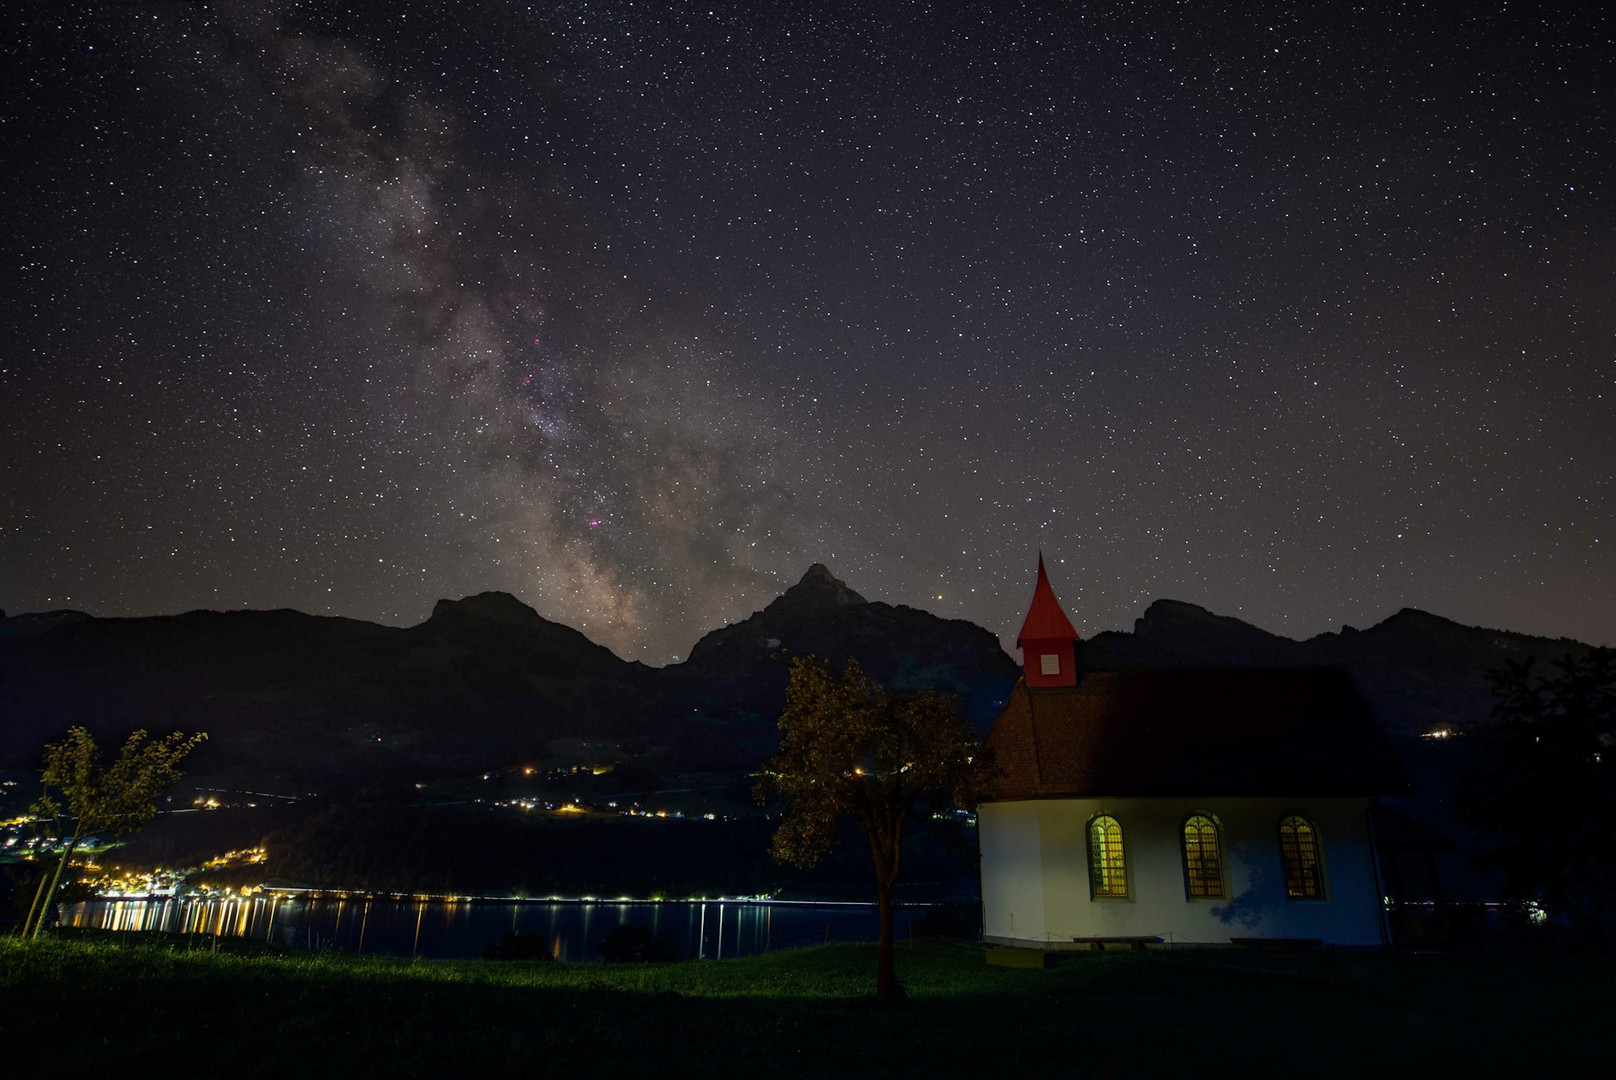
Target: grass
{"points": [[104, 1004]]}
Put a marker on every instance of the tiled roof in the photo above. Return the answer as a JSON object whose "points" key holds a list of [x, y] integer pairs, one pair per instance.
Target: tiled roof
{"points": [[1298, 731]]}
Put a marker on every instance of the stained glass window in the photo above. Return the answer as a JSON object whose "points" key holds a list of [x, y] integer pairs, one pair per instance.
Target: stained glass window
{"points": [[1299, 849], [1108, 869], [1203, 859]]}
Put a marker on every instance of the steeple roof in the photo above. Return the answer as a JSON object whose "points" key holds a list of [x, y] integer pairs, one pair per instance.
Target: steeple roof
{"points": [[1045, 618]]}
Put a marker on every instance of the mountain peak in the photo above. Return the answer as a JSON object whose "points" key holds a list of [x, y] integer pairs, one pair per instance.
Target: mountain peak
{"points": [[818, 590], [1414, 617], [498, 606], [28, 624], [1209, 638], [821, 583]]}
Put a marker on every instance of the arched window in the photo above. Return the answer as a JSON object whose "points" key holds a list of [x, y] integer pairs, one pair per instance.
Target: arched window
{"points": [[1299, 850], [1108, 865], [1203, 857]]}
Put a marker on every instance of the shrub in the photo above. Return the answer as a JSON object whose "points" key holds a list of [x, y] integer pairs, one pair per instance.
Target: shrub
{"points": [[633, 945], [519, 945]]}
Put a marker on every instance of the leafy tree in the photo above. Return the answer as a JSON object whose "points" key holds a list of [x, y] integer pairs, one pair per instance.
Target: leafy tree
{"points": [[850, 750], [1544, 796], [101, 801]]}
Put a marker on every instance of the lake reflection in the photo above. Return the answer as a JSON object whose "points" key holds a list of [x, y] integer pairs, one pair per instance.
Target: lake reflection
{"points": [[450, 929]]}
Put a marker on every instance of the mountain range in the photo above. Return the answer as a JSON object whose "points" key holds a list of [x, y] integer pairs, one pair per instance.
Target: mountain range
{"points": [[482, 683], [485, 681]]}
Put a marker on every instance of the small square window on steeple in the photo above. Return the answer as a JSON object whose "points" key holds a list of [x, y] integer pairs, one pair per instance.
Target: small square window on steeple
{"points": [[1049, 664]]}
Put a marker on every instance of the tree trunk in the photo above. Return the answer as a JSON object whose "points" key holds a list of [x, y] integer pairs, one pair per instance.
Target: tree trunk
{"points": [[887, 988], [56, 879], [886, 842], [39, 891]]}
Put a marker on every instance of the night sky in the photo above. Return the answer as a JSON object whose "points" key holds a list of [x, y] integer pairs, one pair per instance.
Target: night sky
{"points": [[635, 310]]}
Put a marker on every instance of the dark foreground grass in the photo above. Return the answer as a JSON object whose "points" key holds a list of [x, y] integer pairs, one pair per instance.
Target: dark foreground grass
{"points": [[112, 1005]]}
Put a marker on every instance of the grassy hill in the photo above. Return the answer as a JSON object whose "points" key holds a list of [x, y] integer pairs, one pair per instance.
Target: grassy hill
{"points": [[103, 1006]]}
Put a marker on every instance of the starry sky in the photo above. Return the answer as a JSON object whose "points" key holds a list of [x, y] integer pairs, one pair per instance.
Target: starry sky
{"points": [[1304, 313]]}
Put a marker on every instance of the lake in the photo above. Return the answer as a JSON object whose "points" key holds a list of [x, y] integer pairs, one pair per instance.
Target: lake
{"points": [[459, 929]]}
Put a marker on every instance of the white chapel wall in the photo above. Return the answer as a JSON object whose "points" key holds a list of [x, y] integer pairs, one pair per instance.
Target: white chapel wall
{"points": [[1012, 873], [1254, 904]]}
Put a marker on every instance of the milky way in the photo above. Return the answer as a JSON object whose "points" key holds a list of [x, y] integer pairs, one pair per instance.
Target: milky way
{"points": [[634, 311]]}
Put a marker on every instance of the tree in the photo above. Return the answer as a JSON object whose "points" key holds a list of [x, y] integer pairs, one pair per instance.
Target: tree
{"points": [[1544, 795], [110, 801], [850, 750]]}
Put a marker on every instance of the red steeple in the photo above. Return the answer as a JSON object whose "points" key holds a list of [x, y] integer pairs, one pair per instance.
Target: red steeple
{"points": [[1047, 638], [1045, 618]]}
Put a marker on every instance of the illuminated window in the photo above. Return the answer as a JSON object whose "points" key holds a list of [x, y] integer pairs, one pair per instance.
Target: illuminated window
{"points": [[1203, 858], [1108, 869], [1049, 664], [1299, 849]]}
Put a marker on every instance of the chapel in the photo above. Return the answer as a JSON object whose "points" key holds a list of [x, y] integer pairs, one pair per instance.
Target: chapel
{"points": [[1145, 808]]}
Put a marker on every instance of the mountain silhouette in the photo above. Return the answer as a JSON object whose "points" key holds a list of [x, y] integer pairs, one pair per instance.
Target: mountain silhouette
{"points": [[486, 681], [736, 676]]}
